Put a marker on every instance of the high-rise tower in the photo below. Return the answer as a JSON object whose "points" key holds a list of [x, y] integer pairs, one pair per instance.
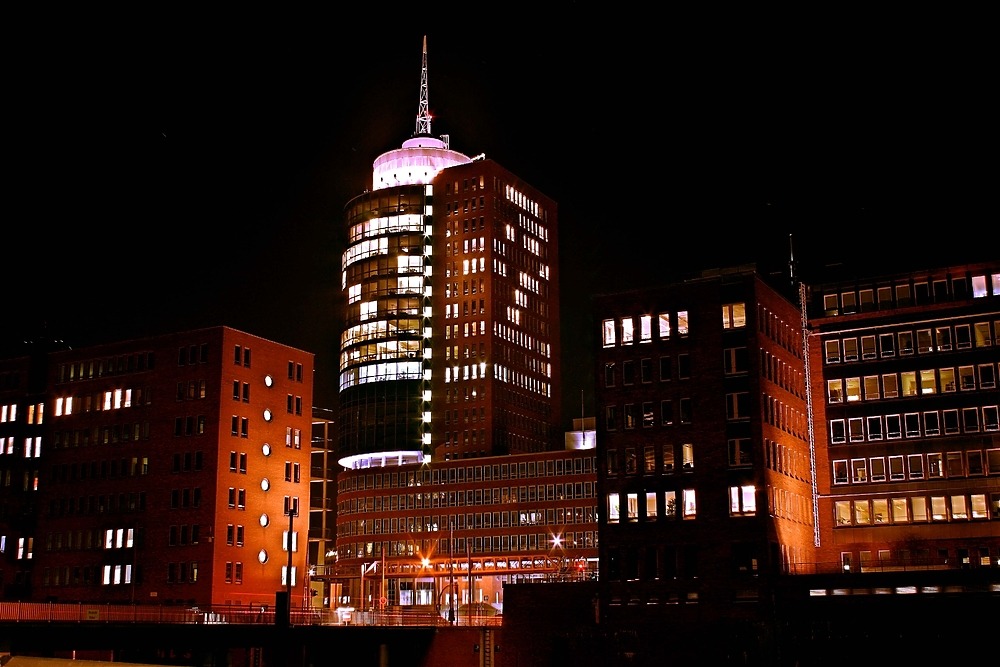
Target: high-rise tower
{"points": [[450, 352], [451, 337]]}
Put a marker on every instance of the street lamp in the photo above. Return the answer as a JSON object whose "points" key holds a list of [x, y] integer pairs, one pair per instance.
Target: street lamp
{"points": [[451, 572], [557, 544], [365, 569]]}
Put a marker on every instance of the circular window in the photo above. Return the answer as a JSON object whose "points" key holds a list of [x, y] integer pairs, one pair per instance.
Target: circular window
{"points": [[267, 415], [268, 380], [262, 556], [265, 484], [264, 520], [266, 449]]}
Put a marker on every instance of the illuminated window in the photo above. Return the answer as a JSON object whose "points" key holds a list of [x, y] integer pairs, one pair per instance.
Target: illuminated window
{"points": [[670, 504], [690, 505], [742, 500], [650, 505], [632, 506], [859, 471], [627, 331], [842, 512], [835, 390], [646, 328], [614, 515], [682, 323], [608, 332], [734, 316], [664, 320]]}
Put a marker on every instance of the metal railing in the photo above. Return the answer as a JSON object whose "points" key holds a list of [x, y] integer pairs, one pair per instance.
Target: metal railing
{"points": [[55, 612]]}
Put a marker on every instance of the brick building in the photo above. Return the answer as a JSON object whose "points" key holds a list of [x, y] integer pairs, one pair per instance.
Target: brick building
{"points": [[704, 462], [905, 391], [167, 469], [450, 364]]}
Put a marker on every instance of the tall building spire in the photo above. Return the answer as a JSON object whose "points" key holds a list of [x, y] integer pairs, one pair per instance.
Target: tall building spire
{"points": [[423, 117]]}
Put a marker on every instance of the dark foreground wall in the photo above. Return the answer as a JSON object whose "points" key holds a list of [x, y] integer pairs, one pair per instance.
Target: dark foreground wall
{"points": [[554, 624]]}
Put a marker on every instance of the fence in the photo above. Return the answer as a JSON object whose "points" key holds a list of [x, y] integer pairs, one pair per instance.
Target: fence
{"points": [[54, 612]]}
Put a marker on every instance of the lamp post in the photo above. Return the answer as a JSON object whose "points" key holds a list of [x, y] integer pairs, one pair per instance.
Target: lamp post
{"points": [[451, 572], [472, 583], [560, 551], [365, 569]]}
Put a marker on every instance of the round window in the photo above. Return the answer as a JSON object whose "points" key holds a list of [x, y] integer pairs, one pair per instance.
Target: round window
{"points": [[268, 380], [265, 484], [262, 556], [264, 520], [266, 448], [267, 415]]}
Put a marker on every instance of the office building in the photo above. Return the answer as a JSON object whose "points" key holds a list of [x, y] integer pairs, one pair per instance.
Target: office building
{"points": [[772, 484], [704, 461], [904, 370], [167, 469], [450, 352]]}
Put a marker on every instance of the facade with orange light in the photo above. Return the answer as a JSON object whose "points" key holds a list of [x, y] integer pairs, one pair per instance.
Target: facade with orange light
{"points": [[168, 469], [450, 405], [906, 396], [702, 446]]}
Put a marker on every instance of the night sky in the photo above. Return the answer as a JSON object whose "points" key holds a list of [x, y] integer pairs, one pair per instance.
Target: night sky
{"points": [[168, 171]]}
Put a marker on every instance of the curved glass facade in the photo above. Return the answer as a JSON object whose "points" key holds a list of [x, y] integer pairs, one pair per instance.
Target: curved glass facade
{"points": [[384, 349]]}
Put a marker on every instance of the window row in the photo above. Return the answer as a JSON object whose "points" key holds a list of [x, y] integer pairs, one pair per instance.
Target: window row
{"points": [[190, 425], [651, 506], [133, 466], [235, 535], [180, 535], [376, 479], [553, 516], [935, 465], [107, 575], [495, 544], [645, 414], [916, 509], [937, 339], [929, 423], [183, 572], [644, 372], [194, 389], [902, 294], [237, 498], [84, 437], [121, 503], [467, 498], [188, 461], [241, 356], [112, 399], [911, 383], [136, 362], [180, 498], [624, 329], [656, 458], [91, 538]]}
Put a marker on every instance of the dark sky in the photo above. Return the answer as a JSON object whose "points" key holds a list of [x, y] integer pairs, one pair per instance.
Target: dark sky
{"points": [[170, 170]]}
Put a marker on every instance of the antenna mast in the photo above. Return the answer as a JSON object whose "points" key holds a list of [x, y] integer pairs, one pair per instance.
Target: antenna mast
{"points": [[423, 117]]}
